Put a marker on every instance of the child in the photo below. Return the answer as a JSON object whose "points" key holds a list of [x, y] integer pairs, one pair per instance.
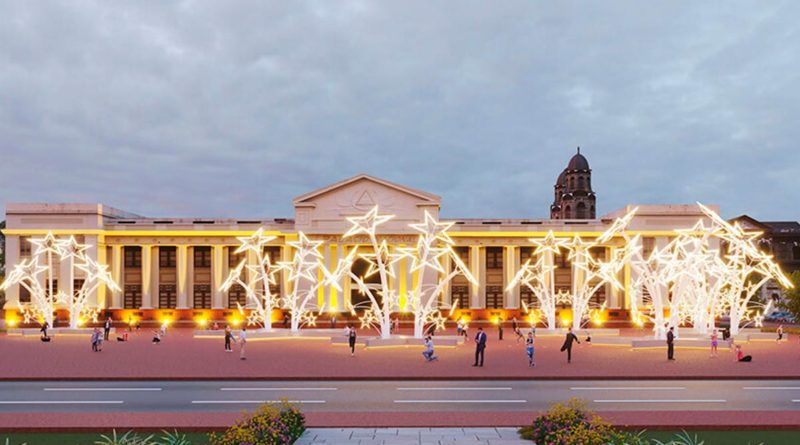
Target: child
{"points": [[156, 337], [529, 349], [740, 357], [428, 352]]}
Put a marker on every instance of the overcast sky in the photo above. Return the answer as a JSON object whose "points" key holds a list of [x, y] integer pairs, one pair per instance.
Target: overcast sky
{"points": [[228, 109]]}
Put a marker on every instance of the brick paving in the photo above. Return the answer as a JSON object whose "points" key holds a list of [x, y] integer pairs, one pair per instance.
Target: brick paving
{"points": [[179, 356]]}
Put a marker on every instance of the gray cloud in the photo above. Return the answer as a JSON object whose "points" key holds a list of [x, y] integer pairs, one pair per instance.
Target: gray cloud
{"points": [[233, 108]]}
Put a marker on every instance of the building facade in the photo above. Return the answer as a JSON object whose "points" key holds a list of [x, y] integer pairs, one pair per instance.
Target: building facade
{"points": [[173, 267]]}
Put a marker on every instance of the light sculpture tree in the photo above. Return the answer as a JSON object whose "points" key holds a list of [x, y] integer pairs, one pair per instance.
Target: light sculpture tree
{"points": [[539, 276], [255, 273], [433, 244], [44, 300], [304, 275]]}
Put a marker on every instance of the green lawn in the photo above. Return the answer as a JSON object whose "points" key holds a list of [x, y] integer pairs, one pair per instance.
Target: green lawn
{"points": [[77, 438]]}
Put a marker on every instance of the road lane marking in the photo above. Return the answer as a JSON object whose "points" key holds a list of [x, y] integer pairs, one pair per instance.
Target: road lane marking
{"points": [[488, 388], [61, 402], [278, 389], [259, 402], [626, 388], [780, 388], [661, 401], [462, 401], [103, 389]]}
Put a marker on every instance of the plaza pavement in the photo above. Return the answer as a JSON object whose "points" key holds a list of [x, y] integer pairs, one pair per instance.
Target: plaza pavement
{"points": [[411, 436], [179, 356]]}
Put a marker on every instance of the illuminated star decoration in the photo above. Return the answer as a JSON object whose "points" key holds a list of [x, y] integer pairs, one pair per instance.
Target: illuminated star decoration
{"points": [[366, 224]]}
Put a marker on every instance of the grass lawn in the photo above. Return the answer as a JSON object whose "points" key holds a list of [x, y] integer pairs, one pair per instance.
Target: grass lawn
{"points": [[78, 438]]}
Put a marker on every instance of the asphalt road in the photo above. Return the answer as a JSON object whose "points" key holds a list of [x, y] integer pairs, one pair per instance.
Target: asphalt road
{"points": [[399, 396]]}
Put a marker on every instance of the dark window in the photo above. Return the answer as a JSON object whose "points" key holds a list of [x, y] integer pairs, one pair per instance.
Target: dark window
{"points": [[132, 296], [24, 295], [494, 297], [580, 211], [55, 286], [167, 256], [460, 295], [463, 255], [202, 256], [567, 214], [77, 284], [580, 183], [24, 246], [236, 294], [494, 257], [167, 296], [796, 253], [274, 253], [526, 295], [133, 256], [202, 296], [572, 183], [234, 258]]}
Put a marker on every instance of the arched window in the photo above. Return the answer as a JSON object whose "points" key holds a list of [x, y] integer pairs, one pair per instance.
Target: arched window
{"points": [[567, 214], [572, 183], [580, 211], [580, 183], [591, 215], [589, 182]]}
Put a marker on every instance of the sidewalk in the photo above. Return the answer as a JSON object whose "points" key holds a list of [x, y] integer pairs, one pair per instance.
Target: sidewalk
{"points": [[411, 436]]}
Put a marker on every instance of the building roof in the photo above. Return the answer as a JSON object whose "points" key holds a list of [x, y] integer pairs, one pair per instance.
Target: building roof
{"points": [[784, 227], [425, 196], [578, 162]]}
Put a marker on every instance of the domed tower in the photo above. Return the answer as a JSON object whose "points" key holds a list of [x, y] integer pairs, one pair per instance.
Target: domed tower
{"points": [[574, 198]]}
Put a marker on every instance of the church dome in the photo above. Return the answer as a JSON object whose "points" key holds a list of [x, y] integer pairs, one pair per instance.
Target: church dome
{"points": [[578, 162]]}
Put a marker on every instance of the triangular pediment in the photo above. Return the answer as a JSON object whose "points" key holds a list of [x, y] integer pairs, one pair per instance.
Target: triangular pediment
{"points": [[364, 178], [750, 223]]}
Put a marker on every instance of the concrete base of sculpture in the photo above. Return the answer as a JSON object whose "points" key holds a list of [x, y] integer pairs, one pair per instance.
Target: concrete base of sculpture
{"points": [[401, 340], [560, 332], [54, 332], [275, 334]]}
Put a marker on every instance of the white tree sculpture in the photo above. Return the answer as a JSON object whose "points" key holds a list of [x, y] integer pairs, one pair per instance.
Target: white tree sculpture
{"points": [[44, 301], [304, 271], [433, 244], [260, 274], [539, 276], [590, 274], [376, 313]]}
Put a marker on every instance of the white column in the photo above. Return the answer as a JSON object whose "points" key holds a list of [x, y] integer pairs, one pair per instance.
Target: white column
{"points": [[330, 264], [446, 298], [510, 268], [66, 277], [97, 252], [148, 266], [182, 276], [12, 259], [117, 275], [217, 276], [477, 265]]}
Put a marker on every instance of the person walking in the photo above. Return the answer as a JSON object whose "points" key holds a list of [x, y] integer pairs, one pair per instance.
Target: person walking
{"points": [[480, 347], [500, 328], [780, 332], [106, 328], [351, 339], [529, 349], [286, 320], [333, 320], [517, 331], [99, 340], [95, 337], [428, 352], [671, 343], [242, 342], [460, 327], [43, 330], [228, 338], [567, 346], [714, 343]]}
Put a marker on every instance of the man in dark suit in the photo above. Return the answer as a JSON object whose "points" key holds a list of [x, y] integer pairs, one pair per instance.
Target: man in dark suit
{"points": [[671, 343], [480, 346], [567, 346], [106, 328]]}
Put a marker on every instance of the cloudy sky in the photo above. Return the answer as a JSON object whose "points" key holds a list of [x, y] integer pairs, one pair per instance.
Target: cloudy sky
{"points": [[231, 109]]}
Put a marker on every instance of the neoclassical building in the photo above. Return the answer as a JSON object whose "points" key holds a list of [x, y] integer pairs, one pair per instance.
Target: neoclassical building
{"points": [[173, 267]]}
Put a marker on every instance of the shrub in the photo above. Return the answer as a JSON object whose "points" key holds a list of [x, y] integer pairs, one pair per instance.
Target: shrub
{"points": [[568, 424], [129, 438], [269, 425]]}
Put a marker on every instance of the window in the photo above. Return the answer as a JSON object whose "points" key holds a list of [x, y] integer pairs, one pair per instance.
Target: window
{"points": [[167, 296], [796, 252], [234, 258], [463, 255], [236, 294], [273, 252], [24, 295], [494, 257], [202, 256], [132, 296], [460, 295], [24, 246], [580, 211], [580, 183], [526, 295], [133, 256], [202, 296], [167, 256], [494, 297], [77, 284]]}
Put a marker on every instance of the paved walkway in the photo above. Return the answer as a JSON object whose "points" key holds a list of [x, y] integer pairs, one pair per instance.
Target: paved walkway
{"points": [[411, 436], [181, 357]]}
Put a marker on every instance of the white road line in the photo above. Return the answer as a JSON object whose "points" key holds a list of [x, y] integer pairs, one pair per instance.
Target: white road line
{"points": [[259, 402], [461, 401], [661, 401], [279, 389], [779, 388], [103, 389], [61, 402], [487, 388], [627, 388]]}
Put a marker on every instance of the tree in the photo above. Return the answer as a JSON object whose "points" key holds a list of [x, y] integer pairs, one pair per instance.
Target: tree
{"points": [[791, 295]]}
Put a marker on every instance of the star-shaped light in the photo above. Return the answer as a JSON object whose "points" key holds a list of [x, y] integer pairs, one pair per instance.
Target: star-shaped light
{"points": [[306, 247], [617, 226], [254, 242], [549, 244], [234, 276], [387, 259], [366, 224], [434, 229], [71, 248], [48, 244]]}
